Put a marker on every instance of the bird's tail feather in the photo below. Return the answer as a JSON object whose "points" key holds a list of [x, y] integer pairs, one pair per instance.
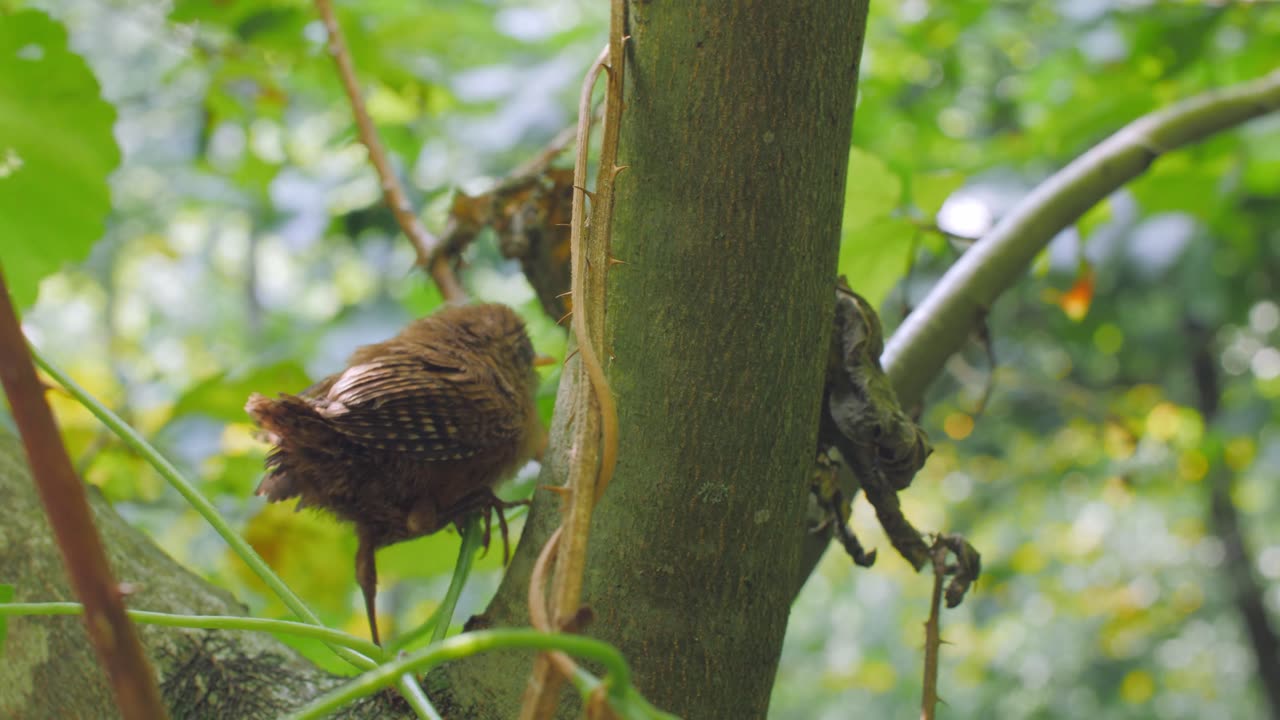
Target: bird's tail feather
{"points": [[289, 422]]}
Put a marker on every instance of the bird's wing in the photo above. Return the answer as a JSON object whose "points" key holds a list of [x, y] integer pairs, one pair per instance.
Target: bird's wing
{"points": [[426, 404]]}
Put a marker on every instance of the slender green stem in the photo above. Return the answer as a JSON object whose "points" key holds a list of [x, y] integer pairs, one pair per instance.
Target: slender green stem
{"points": [[197, 501], [461, 570], [417, 699], [459, 646], [408, 685], [206, 622]]}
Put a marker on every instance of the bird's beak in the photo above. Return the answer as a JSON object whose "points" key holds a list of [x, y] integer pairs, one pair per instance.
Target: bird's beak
{"points": [[543, 360]]}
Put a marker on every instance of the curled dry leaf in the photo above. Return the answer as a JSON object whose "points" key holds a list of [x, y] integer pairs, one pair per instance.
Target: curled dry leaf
{"points": [[530, 216], [862, 419]]}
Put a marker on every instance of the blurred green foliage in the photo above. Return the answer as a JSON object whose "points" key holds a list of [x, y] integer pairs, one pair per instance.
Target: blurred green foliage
{"points": [[247, 250]]}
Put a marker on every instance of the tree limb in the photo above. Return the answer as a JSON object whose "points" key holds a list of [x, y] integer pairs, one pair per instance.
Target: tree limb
{"points": [[915, 354]]}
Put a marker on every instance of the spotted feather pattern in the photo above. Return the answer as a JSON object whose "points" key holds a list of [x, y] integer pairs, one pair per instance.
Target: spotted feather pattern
{"points": [[420, 402]]}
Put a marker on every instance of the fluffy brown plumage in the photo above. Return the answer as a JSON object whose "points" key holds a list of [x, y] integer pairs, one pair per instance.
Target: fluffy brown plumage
{"points": [[413, 435]]}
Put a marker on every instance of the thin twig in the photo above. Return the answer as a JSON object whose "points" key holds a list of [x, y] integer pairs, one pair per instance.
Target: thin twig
{"points": [[933, 636], [538, 164], [423, 241], [62, 494]]}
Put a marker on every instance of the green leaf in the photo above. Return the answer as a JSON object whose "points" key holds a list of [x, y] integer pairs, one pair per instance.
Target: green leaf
{"points": [[6, 595], [930, 190], [1178, 183], [871, 192], [1262, 168], [875, 257], [222, 396], [1094, 218], [56, 151]]}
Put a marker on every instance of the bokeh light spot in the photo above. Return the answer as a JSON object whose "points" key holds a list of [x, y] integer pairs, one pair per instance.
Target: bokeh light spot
{"points": [[958, 425], [1137, 687]]}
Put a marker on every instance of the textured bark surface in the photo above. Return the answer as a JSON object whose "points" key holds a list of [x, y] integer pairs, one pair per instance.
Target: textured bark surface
{"points": [[736, 134], [49, 669]]}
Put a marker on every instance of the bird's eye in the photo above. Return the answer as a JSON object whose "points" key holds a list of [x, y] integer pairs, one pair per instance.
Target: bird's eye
{"points": [[524, 350]]}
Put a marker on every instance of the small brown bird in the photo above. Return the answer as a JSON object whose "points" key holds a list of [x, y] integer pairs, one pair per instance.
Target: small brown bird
{"points": [[413, 435]]}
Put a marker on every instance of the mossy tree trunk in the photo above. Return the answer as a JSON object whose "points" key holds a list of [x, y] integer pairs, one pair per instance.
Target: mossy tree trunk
{"points": [[736, 132], [49, 669]]}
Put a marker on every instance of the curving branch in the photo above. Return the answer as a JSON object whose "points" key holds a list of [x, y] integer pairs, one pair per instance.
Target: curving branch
{"points": [[915, 354], [426, 244]]}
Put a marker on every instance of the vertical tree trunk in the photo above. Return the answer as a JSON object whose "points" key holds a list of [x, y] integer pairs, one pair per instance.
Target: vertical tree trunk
{"points": [[736, 133]]}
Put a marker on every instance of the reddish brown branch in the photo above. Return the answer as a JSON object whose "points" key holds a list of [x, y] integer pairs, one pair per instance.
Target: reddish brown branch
{"points": [[423, 241], [62, 494]]}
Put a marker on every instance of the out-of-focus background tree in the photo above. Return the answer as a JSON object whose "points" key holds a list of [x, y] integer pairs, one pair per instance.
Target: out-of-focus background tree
{"points": [[248, 250]]}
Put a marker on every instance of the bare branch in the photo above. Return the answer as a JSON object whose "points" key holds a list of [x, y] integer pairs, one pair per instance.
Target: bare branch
{"points": [[423, 241], [932, 635]]}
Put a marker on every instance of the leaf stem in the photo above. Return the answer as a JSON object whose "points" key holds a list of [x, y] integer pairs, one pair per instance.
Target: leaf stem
{"points": [[205, 622], [461, 570], [618, 679]]}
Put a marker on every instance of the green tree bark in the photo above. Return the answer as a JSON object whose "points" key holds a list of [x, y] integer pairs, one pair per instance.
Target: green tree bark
{"points": [[736, 133]]}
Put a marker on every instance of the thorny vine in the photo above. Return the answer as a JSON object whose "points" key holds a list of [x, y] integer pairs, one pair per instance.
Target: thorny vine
{"points": [[595, 442], [963, 573]]}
